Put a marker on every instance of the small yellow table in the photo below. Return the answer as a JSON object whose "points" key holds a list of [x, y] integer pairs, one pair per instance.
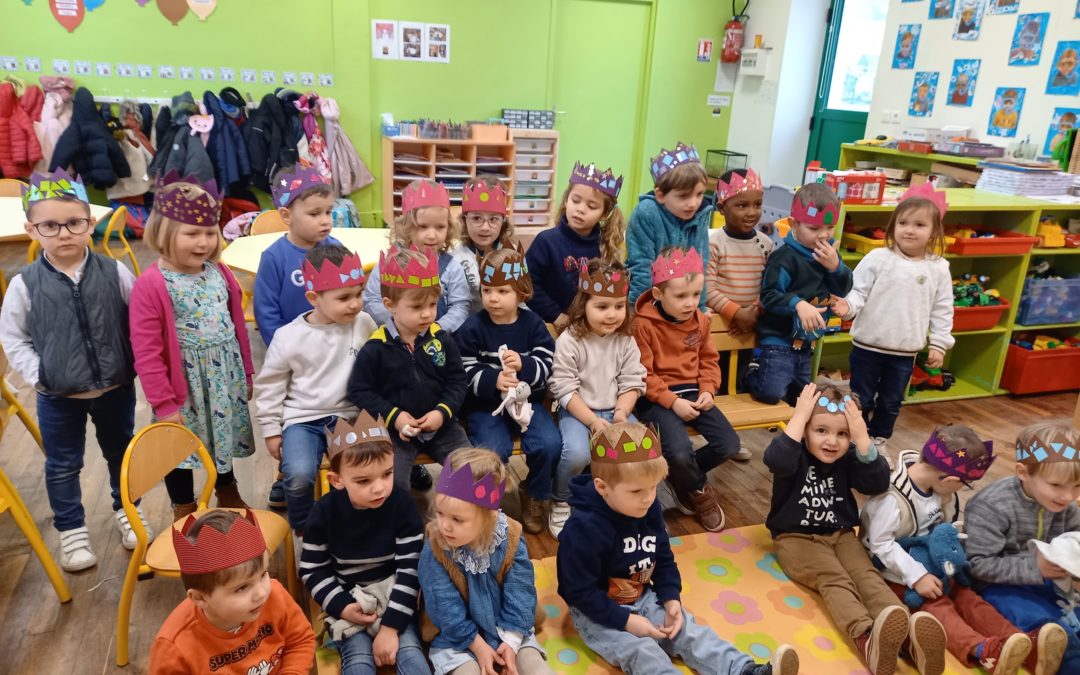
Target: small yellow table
{"points": [[12, 218], [243, 254]]}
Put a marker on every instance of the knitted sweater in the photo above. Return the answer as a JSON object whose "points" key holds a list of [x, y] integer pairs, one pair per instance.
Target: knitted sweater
{"points": [[596, 368], [554, 259], [679, 357], [733, 277], [479, 340], [651, 228], [279, 286]]}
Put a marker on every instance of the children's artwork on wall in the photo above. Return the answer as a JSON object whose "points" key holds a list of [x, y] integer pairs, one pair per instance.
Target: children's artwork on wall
{"points": [[173, 10], [1063, 78], [384, 39], [962, 83], [942, 9], [907, 44], [202, 8], [1005, 112], [1027, 42], [1063, 120], [412, 41], [437, 43], [969, 16], [1077, 15], [69, 13], [923, 91], [1003, 7]]}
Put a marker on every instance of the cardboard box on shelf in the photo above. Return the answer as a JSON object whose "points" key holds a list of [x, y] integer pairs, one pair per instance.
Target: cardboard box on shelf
{"points": [[958, 173], [852, 187]]}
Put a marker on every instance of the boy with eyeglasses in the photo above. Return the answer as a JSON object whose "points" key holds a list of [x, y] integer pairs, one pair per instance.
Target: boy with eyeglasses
{"points": [[64, 327]]}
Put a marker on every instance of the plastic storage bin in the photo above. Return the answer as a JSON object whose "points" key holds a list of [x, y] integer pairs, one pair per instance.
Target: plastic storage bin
{"points": [[776, 203], [1030, 371], [522, 161], [1049, 301], [543, 146], [978, 318], [543, 176], [1005, 243], [531, 204], [859, 243]]}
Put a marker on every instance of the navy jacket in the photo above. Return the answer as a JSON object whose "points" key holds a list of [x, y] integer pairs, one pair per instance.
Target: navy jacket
{"points": [[226, 146], [479, 340], [88, 147], [554, 258]]}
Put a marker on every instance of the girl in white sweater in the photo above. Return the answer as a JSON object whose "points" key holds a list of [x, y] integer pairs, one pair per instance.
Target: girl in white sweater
{"points": [[902, 292]]}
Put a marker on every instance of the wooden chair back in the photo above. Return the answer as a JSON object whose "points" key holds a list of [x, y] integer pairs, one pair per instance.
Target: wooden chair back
{"points": [[11, 187], [155, 451], [268, 221]]}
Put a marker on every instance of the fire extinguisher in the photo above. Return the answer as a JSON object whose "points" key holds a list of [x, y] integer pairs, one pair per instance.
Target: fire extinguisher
{"points": [[733, 34]]}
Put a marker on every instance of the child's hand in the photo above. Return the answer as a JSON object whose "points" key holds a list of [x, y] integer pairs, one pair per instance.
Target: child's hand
{"points": [[857, 428], [598, 425], [642, 627], [826, 255], [1047, 569], [935, 358], [506, 380], [928, 586], [684, 409], [509, 656], [486, 657], [249, 390], [673, 621], [840, 307], [808, 398], [619, 415], [431, 422], [273, 446], [561, 322], [384, 647], [745, 320], [353, 614], [512, 360], [404, 420], [810, 317], [175, 418], [704, 401]]}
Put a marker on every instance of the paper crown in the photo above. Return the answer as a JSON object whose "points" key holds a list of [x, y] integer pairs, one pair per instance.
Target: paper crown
{"points": [[738, 185], [50, 186], [677, 265], [421, 193], [510, 272], [479, 196], [460, 484], [420, 272], [366, 429], [349, 273], [292, 184], [813, 216], [1040, 452], [834, 407], [590, 176], [937, 454], [636, 444], [176, 200], [213, 550], [613, 284], [669, 159], [927, 191]]}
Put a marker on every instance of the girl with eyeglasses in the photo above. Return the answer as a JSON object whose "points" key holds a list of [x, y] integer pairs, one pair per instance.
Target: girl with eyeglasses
{"points": [[484, 227]]}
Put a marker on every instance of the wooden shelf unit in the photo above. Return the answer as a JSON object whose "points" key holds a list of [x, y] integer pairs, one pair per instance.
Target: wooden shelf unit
{"points": [[913, 161]]}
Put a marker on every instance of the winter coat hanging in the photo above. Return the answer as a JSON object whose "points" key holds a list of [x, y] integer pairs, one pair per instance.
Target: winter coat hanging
{"points": [[69, 13], [88, 147]]}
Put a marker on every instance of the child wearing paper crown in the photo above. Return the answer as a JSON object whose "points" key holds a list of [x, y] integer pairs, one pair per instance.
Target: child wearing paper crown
{"points": [[362, 541], [924, 494], [1038, 503], [476, 574], [799, 279], [45, 344], [235, 620], [590, 225], [618, 575], [301, 389], [409, 371], [426, 223], [683, 376], [189, 337], [596, 375], [484, 227], [900, 293], [675, 213], [505, 348]]}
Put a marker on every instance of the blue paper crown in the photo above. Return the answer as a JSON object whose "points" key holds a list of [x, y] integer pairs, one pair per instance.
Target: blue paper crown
{"points": [[669, 159]]}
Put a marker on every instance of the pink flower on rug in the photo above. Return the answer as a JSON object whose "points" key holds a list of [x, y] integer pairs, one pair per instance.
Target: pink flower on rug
{"points": [[736, 609], [731, 541], [790, 601]]}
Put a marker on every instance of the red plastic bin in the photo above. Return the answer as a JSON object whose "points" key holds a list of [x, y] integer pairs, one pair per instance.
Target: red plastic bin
{"points": [[1005, 243], [1030, 371], [978, 318]]}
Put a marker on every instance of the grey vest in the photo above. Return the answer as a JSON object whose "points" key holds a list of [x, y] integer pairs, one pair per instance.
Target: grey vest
{"points": [[80, 331]]}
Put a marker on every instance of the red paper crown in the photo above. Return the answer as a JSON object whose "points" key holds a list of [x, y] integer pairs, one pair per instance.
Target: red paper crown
{"points": [[366, 429], [615, 284], [810, 214], [637, 444], [479, 196], [421, 193], [676, 266], [420, 272], [213, 550], [331, 276], [738, 185], [926, 191]]}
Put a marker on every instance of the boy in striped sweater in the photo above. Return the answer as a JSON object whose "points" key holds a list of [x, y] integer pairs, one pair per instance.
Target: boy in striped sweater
{"points": [[359, 536]]}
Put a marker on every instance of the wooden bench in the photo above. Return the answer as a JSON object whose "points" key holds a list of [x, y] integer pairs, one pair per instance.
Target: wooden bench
{"points": [[742, 411]]}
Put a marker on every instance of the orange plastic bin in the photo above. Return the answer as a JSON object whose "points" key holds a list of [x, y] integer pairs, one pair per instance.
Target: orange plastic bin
{"points": [[1030, 371], [978, 318]]}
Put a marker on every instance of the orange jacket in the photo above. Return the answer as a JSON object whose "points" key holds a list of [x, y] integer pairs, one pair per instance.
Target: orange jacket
{"points": [[674, 353]]}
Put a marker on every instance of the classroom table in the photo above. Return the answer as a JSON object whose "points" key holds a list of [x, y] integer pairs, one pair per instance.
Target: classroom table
{"points": [[12, 218], [243, 254]]}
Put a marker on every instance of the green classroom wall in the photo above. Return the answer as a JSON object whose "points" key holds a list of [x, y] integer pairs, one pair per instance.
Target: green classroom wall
{"points": [[503, 54]]}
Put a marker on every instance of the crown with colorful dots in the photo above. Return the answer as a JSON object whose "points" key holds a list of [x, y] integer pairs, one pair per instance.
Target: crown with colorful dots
{"points": [[422, 193], [957, 462], [669, 159], [212, 550], [461, 484], [330, 276], [291, 184], [512, 271], [591, 176], [609, 284], [625, 443], [1046, 451], [678, 264], [44, 186], [421, 271], [366, 429], [479, 196], [738, 185], [188, 200]]}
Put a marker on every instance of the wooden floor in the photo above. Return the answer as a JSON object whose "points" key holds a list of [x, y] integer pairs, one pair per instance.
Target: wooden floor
{"points": [[38, 635]]}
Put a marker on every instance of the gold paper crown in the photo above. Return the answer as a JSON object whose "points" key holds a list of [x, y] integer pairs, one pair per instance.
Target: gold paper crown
{"points": [[366, 429], [624, 444]]}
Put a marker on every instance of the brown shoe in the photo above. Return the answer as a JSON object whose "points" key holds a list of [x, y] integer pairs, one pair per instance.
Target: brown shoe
{"points": [[532, 514], [1047, 649], [228, 497], [882, 649], [708, 510], [183, 510], [927, 637]]}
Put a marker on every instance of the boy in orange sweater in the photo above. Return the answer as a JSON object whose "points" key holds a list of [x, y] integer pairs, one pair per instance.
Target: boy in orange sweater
{"points": [[683, 376], [236, 620]]}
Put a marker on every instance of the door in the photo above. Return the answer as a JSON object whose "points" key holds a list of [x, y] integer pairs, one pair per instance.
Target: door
{"points": [[846, 82]]}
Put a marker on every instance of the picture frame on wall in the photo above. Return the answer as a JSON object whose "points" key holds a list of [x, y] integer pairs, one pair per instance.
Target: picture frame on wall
{"points": [[1064, 79], [907, 45], [942, 9], [1062, 120], [1005, 111], [1027, 42], [969, 16], [965, 73], [923, 92]]}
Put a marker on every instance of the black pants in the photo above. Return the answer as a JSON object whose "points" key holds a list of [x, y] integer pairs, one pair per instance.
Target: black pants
{"points": [[686, 468], [448, 438], [880, 380], [180, 484]]}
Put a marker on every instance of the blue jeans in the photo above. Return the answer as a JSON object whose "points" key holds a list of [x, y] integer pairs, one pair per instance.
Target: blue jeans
{"points": [[63, 432], [541, 443], [1029, 607], [781, 374], [357, 657], [575, 450], [700, 648], [879, 381], [688, 468], [302, 448]]}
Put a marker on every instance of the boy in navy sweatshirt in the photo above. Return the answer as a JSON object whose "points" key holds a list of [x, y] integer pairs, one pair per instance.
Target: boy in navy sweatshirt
{"points": [[618, 575], [504, 347]]}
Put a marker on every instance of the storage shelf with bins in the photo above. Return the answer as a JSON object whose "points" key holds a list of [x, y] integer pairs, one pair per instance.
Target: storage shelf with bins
{"points": [[535, 194], [914, 161]]}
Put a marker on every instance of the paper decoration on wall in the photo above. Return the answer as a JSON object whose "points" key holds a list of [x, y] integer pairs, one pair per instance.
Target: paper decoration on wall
{"points": [[1063, 80], [69, 13], [125, 70], [1003, 7], [907, 44], [704, 50], [1027, 42], [969, 16], [91, 5], [962, 82], [11, 63], [61, 66], [1063, 120], [411, 44], [941, 9], [32, 64], [173, 10], [202, 8], [1077, 15], [437, 43], [384, 39], [923, 91], [142, 3], [1005, 112]]}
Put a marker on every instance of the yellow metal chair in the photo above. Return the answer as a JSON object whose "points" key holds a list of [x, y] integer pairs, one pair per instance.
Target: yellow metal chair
{"points": [[11, 187], [117, 223], [152, 453], [10, 405], [267, 222]]}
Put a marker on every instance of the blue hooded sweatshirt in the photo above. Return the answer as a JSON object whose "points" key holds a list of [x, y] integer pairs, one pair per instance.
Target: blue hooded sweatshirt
{"points": [[651, 228]]}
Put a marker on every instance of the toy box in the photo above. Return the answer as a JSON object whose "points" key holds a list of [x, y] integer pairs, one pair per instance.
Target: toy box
{"points": [[1049, 301], [975, 241], [851, 187], [1032, 371]]}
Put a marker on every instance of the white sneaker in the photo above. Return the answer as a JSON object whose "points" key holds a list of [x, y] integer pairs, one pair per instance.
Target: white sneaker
{"points": [[881, 444], [127, 535], [557, 517], [743, 455], [75, 551]]}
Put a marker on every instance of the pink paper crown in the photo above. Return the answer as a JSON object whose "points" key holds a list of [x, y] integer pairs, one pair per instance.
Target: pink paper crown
{"points": [[926, 191], [187, 205], [615, 284], [637, 444], [936, 453], [213, 550], [349, 273], [590, 176], [813, 216], [669, 159], [292, 184], [738, 185], [676, 266], [479, 196], [421, 193], [460, 484], [366, 429], [416, 274]]}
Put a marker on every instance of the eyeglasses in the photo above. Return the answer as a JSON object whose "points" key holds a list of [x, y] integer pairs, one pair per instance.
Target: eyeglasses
{"points": [[493, 219], [51, 228]]}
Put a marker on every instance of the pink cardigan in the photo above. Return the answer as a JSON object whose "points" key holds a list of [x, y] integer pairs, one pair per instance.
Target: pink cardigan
{"points": [[156, 347]]}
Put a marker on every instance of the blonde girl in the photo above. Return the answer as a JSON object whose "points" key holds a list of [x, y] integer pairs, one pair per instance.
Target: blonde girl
{"points": [[190, 340], [484, 227], [426, 223]]}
